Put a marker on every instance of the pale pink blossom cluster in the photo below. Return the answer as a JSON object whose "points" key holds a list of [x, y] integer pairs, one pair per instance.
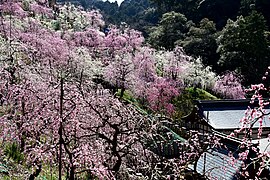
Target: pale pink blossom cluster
{"points": [[160, 94], [38, 9], [229, 86], [13, 7], [254, 159]]}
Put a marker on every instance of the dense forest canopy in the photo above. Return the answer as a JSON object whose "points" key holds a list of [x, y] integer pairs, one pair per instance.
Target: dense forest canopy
{"points": [[217, 11]]}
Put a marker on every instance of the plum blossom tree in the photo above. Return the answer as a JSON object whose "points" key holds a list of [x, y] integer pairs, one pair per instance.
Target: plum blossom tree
{"points": [[160, 95], [171, 64], [122, 41], [229, 86], [118, 127], [120, 72], [144, 72], [158, 77], [197, 75], [13, 7], [255, 161], [144, 63]]}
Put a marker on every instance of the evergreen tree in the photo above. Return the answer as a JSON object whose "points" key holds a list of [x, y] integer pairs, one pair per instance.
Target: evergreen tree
{"points": [[243, 46], [171, 28], [201, 42]]}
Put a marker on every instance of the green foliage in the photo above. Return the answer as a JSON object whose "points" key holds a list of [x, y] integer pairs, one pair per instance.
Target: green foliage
{"points": [[48, 173], [219, 11], [17, 172], [261, 6], [184, 102], [172, 27], [25, 5], [2, 111], [139, 14], [200, 94], [200, 41], [128, 97], [247, 6], [12, 150], [56, 25], [243, 47], [187, 7], [3, 169]]}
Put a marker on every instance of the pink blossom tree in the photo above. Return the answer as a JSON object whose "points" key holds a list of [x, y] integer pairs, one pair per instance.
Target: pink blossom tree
{"points": [[144, 73], [120, 72], [229, 86], [122, 41], [160, 95], [51, 110]]}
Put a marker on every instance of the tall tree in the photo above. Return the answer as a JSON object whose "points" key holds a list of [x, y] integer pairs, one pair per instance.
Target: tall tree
{"points": [[187, 7], [201, 42], [243, 46], [171, 28], [261, 6]]}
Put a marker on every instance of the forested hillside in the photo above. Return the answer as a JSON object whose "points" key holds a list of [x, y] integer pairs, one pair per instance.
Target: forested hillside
{"points": [[84, 94], [204, 28]]}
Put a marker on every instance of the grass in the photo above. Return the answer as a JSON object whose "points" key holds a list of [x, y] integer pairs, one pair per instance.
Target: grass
{"points": [[184, 102], [12, 151], [128, 97], [200, 94]]}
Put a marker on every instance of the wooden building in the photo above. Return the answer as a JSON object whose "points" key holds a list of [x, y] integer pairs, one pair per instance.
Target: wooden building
{"points": [[223, 116]]}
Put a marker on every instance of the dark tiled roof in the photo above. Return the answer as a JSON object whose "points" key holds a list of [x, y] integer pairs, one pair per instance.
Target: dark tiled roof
{"points": [[225, 104], [216, 163], [223, 115]]}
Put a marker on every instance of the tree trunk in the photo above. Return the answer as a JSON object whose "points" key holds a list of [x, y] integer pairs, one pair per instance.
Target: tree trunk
{"points": [[122, 92], [118, 163], [72, 173], [36, 173], [61, 128], [22, 143]]}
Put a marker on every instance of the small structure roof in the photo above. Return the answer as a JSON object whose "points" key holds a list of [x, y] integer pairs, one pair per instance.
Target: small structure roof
{"points": [[216, 163], [226, 114], [223, 115]]}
